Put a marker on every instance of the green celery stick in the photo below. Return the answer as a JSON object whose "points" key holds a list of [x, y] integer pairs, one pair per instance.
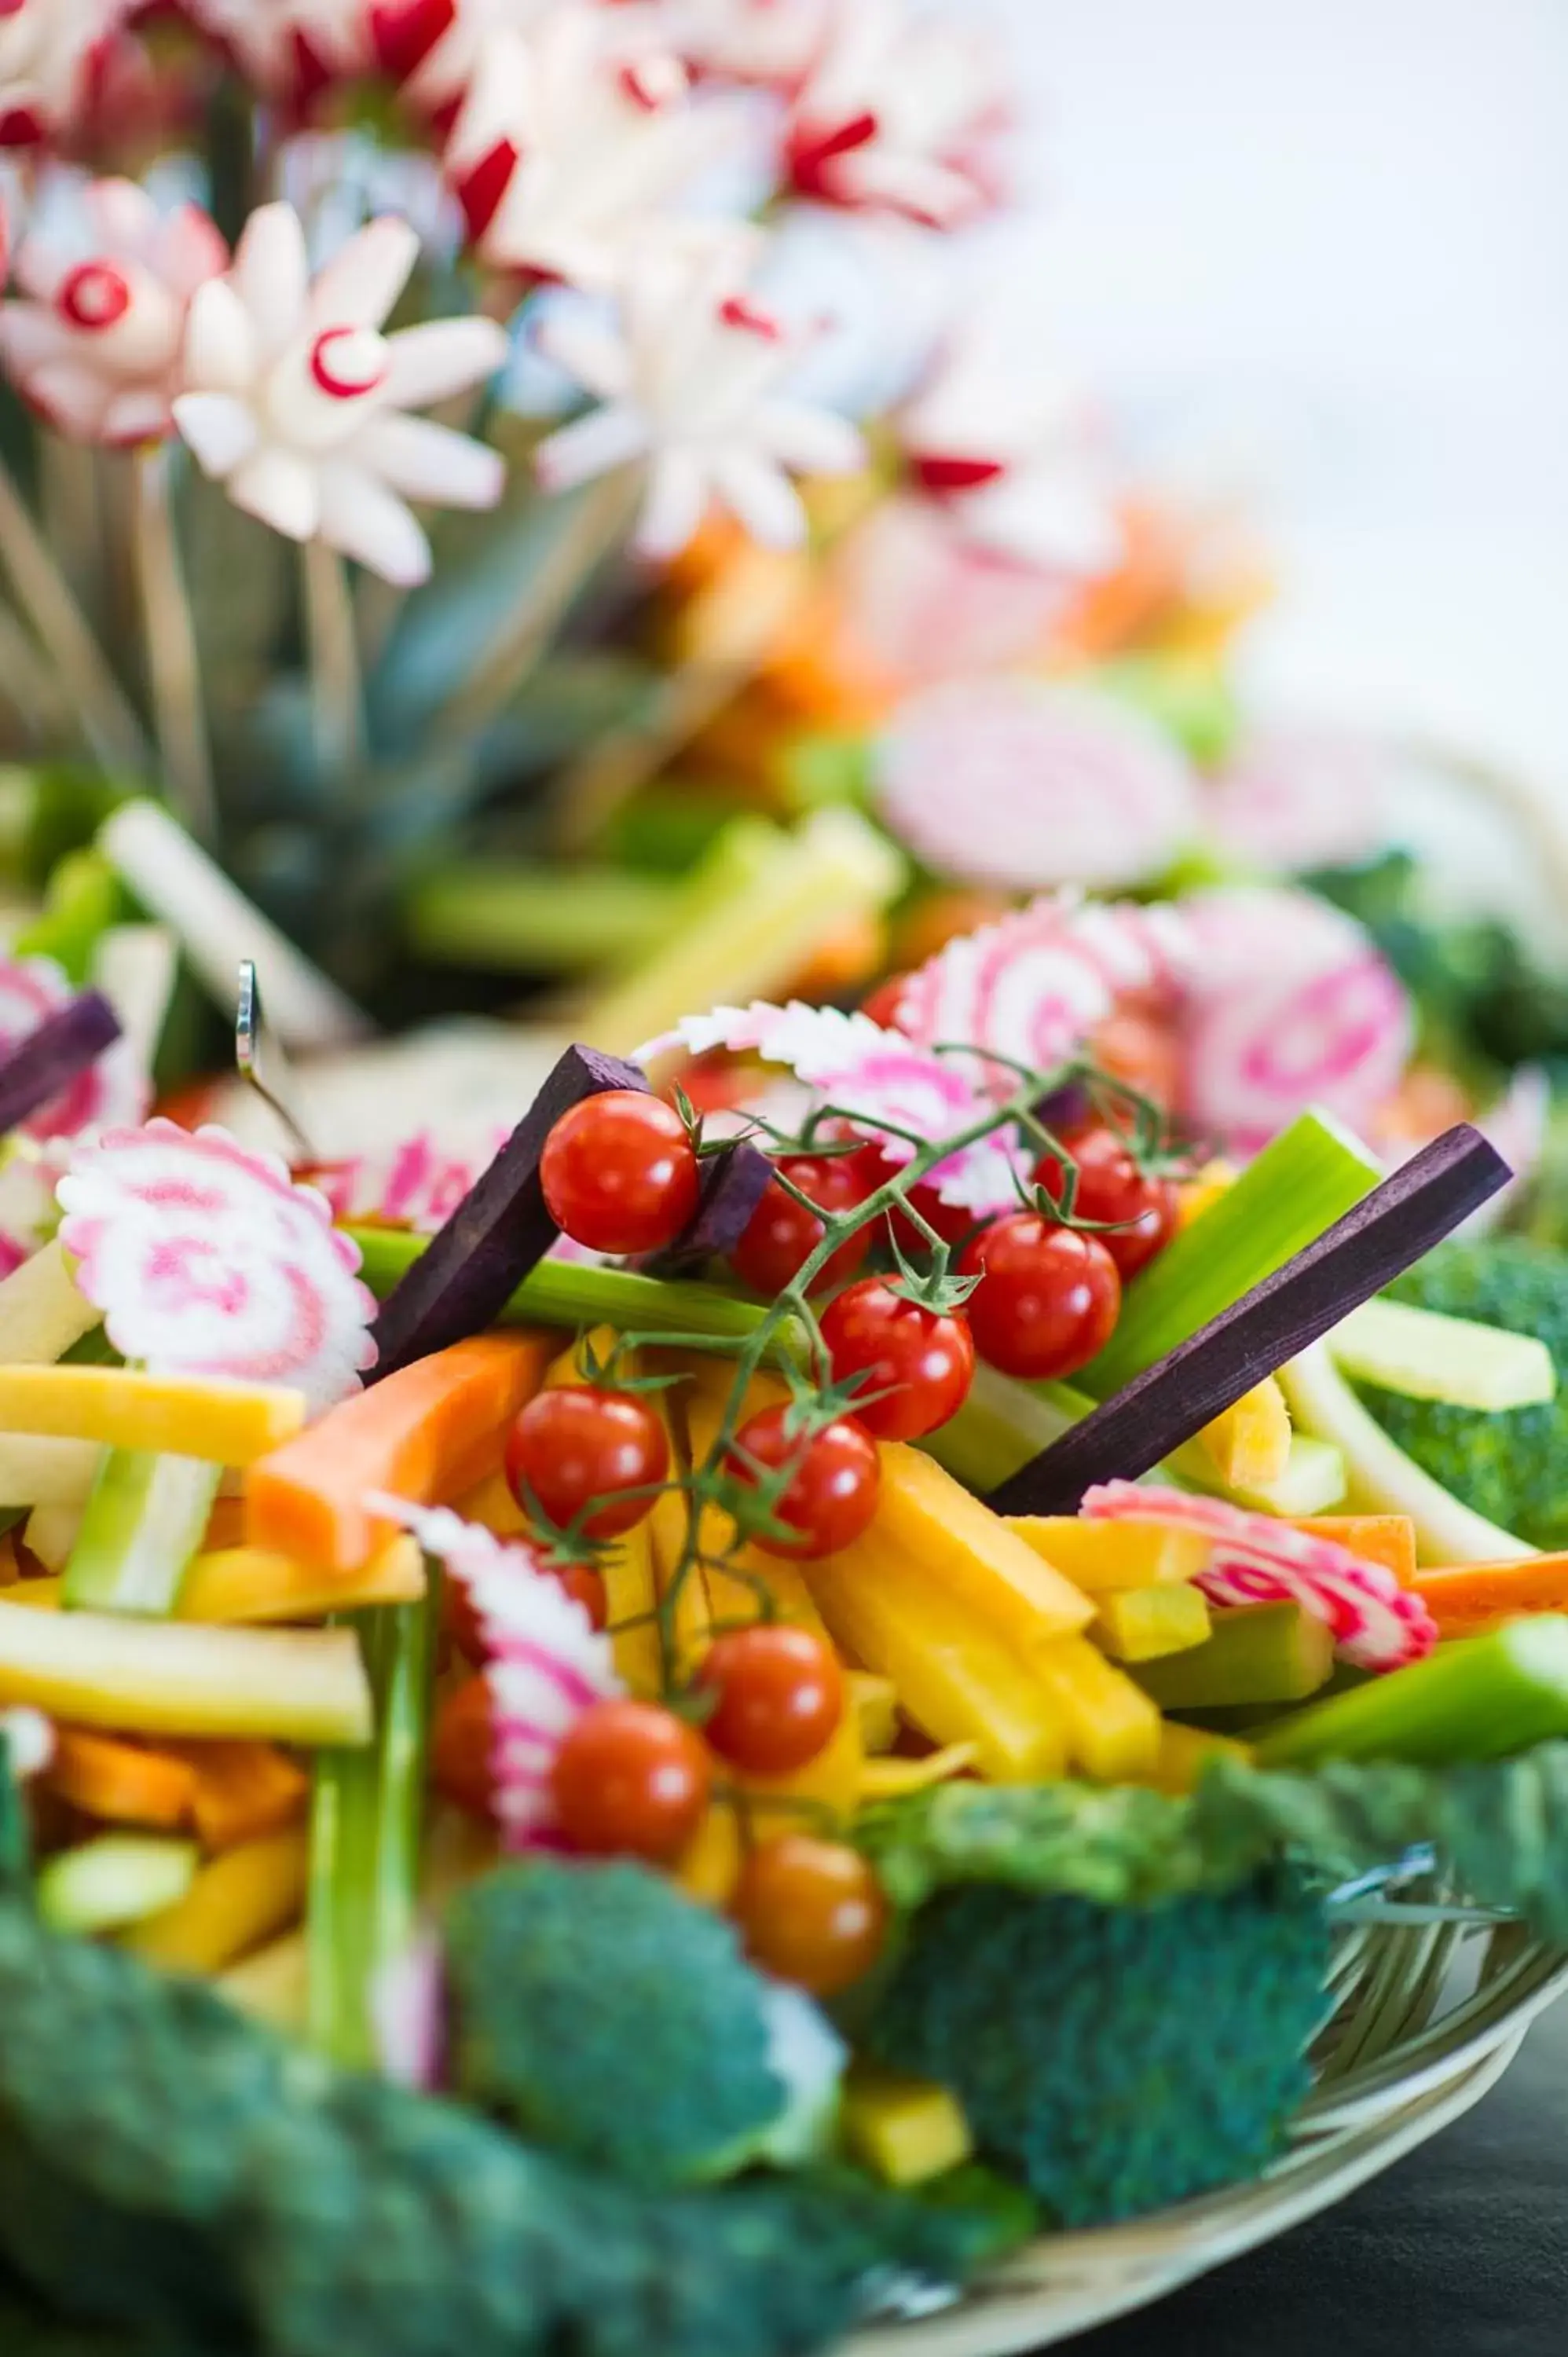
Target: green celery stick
{"points": [[1001, 1426], [84, 898], [1312, 1482], [571, 1293], [1260, 1652], [1426, 1356], [1381, 1478], [145, 1517], [1310, 1176], [366, 1833], [120, 1879], [1481, 1699], [519, 919], [752, 914]]}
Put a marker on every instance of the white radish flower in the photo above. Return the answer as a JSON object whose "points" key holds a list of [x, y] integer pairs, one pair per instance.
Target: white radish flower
{"points": [[433, 47], [568, 145], [48, 50], [290, 48], [773, 42], [1014, 458], [901, 114], [693, 387], [298, 403], [97, 346]]}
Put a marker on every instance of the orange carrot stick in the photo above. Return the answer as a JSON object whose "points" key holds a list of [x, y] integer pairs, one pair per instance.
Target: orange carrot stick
{"points": [[243, 1790], [427, 1432], [121, 1783], [1470, 1597], [1388, 1539]]}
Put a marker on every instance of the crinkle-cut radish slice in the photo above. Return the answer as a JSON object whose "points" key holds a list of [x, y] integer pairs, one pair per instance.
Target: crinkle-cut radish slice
{"points": [[1298, 795], [111, 1087], [1020, 783], [207, 1260], [1377, 1624], [1033, 986], [545, 1662], [1290, 1005], [875, 1076], [418, 1184]]}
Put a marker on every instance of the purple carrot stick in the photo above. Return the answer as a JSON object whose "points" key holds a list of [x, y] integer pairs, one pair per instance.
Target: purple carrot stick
{"points": [[63, 1047]]}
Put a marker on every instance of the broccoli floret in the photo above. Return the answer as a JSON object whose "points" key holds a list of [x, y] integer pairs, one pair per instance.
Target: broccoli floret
{"points": [[606, 2016], [166, 2165], [1512, 1466], [1117, 2058]]}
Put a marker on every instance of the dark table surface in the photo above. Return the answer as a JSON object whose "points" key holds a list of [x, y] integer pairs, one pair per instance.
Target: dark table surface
{"points": [[1460, 2251]]}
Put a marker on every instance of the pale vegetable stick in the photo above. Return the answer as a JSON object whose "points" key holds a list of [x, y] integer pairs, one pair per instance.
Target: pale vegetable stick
{"points": [[134, 968], [36, 1472], [298, 1686], [43, 1311], [271, 1985], [245, 1897], [50, 1532], [248, 1588], [124, 1408]]}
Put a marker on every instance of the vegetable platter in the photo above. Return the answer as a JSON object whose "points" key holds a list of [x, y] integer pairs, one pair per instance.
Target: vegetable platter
{"points": [[888, 1707]]}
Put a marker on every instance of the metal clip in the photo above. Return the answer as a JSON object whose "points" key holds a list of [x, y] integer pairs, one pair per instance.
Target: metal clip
{"points": [[254, 1042]]}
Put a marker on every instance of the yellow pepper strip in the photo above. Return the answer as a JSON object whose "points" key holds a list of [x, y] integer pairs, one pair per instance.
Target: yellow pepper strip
{"points": [[890, 1780], [903, 2130], [709, 1866], [1248, 1445], [121, 1407], [272, 1985], [168, 1678], [1184, 1752], [242, 1899], [1113, 1728], [1140, 1624], [956, 1678], [235, 1586], [876, 1702], [1098, 1557], [972, 1553], [629, 1595]]}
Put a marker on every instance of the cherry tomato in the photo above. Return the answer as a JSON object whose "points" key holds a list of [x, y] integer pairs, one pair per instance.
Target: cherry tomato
{"points": [[582, 1582], [579, 1443], [783, 1234], [810, 1911], [1111, 1187], [833, 1495], [779, 1697], [632, 1781], [921, 1361], [619, 1173], [460, 1746], [1049, 1297], [881, 1005]]}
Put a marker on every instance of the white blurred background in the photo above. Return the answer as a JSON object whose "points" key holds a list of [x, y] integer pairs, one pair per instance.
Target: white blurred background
{"points": [[1319, 248]]}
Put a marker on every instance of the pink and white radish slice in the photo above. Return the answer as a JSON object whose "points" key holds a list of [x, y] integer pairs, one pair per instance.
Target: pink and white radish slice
{"points": [[1021, 783], [1377, 1624], [546, 1664], [1290, 1004], [1299, 795]]}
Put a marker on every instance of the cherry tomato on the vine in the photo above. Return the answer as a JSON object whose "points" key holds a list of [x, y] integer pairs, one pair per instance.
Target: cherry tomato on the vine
{"points": [[1049, 1297], [920, 1361], [579, 1444], [619, 1173], [783, 1234], [779, 1697], [632, 1781], [581, 1581], [831, 1495], [1112, 1187], [460, 1744], [810, 1911]]}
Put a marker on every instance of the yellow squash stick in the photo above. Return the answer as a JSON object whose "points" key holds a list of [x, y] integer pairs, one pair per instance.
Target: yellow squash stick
{"points": [[1248, 1445], [244, 1898], [1100, 1556], [972, 1553], [1140, 1624], [1113, 1728], [298, 1686], [121, 1407], [956, 1678], [876, 1701]]}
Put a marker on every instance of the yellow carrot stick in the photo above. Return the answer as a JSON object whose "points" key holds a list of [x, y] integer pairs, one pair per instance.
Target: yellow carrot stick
{"points": [[120, 1782], [1113, 1728], [972, 1553], [1141, 1624], [240, 1901], [242, 1791], [241, 1586], [1099, 1557], [1248, 1445], [125, 1407]]}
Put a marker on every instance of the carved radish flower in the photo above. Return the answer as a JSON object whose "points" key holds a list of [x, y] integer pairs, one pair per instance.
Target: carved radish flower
{"points": [[97, 346], [290, 48], [298, 404], [48, 48], [546, 1664], [207, 1260]]}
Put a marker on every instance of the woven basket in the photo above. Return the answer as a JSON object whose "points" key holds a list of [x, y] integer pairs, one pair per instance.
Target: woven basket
{"points": [[1427, 2017]]}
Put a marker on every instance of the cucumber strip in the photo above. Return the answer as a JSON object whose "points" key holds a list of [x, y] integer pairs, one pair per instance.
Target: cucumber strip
{"points": [[1310, 1176], [1312, 1482], [1425, 1355], [1381, 1478], [516, 919], [115, 1880], [573, 1293], [145, 1519], [365, 1828], [1264, 1652], [1482, 1699]]}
